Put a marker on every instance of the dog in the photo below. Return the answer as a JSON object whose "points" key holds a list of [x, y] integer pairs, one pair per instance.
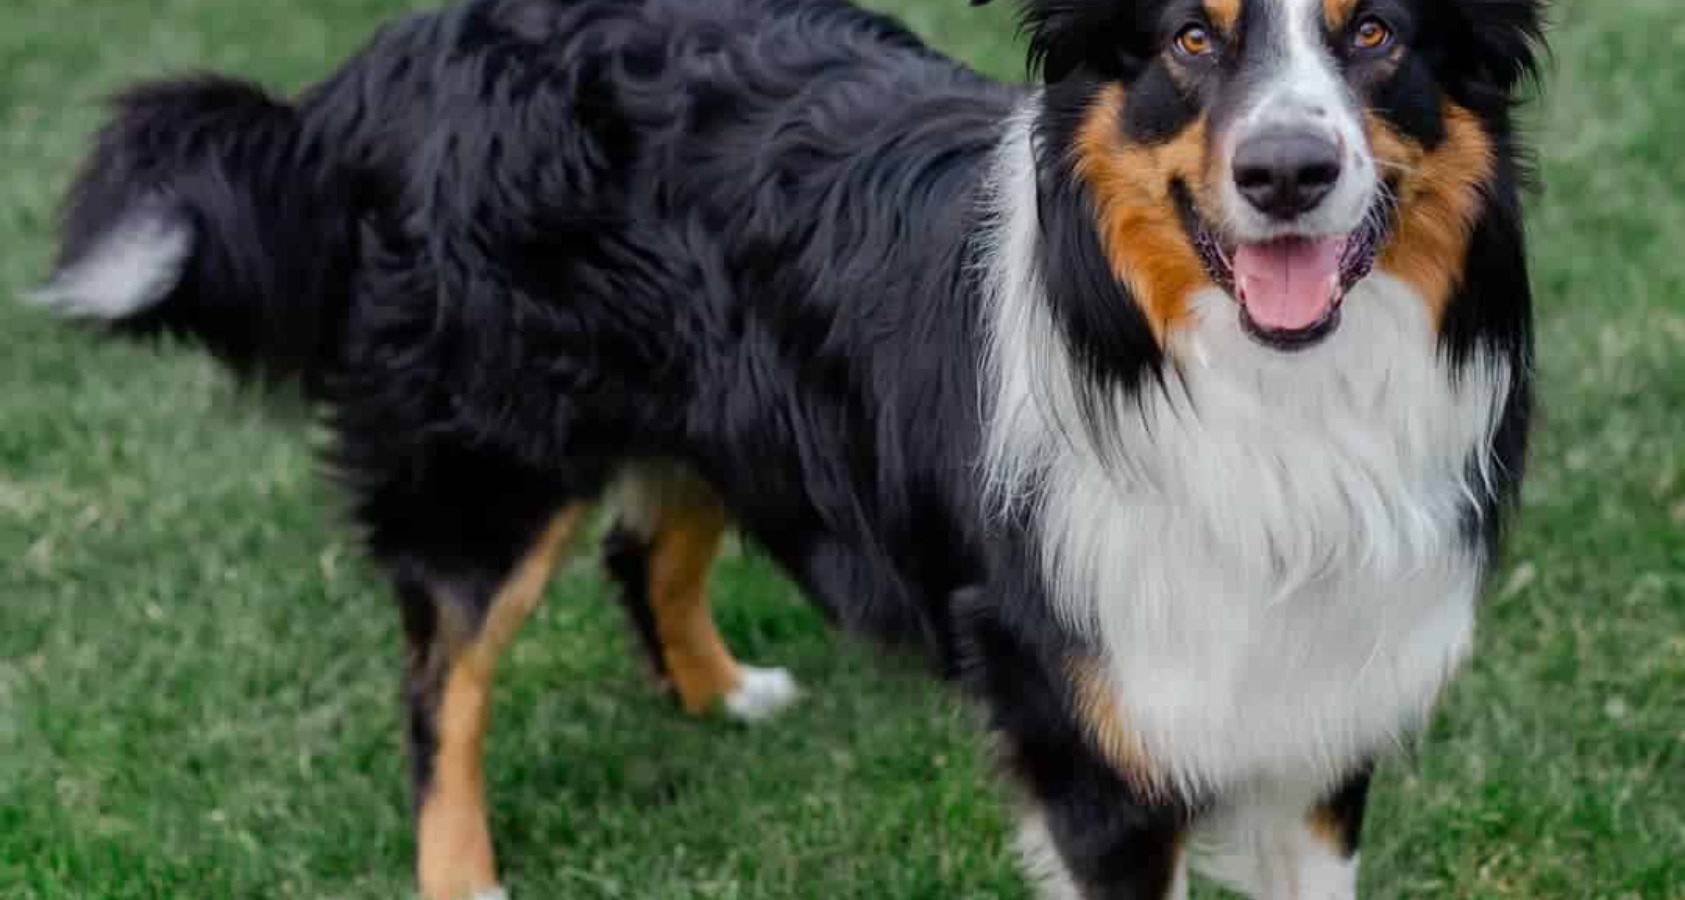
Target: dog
{"points": [[1172, 404]]}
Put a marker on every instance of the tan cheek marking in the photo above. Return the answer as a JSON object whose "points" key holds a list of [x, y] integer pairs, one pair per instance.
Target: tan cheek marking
{"points": [[1097, 710], [1135, 213], [454, 858], [1439, 201], [1336, 14], [698, 662]]}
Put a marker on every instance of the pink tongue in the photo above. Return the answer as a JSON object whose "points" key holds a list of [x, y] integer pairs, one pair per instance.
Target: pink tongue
{"points": [[1288, 285]]}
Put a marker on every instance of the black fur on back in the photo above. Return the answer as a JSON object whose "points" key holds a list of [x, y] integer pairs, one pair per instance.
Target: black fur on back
{"points": [[539, 238]]}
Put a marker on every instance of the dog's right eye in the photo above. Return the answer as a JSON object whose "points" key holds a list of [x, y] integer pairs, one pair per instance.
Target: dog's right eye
{"points": [[1195, 40], [1372, 34]]}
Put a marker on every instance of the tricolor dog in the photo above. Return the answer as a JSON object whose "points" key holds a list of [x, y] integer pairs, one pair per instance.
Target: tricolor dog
{"points": [[1171, 404]]}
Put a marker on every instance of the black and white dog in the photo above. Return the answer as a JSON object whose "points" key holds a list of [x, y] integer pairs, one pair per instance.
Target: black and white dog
{"points": [[1172, 404]]}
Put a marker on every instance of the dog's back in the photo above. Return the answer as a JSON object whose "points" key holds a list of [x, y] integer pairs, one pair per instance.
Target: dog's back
{"points": [[604, 176], [521, 248]]}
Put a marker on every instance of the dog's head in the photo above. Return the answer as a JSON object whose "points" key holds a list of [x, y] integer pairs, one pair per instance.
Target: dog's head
{"points": [[1280, 149]]}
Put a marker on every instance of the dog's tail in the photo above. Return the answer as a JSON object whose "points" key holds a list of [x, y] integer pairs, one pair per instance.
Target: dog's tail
{"points": [[205, 211]]}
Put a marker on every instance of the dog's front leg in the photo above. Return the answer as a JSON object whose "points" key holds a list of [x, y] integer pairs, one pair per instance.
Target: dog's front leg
{"points": [[1094, 826]]}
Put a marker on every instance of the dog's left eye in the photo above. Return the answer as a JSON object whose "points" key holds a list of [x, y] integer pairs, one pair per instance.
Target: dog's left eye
{"points": [[1195, 40], [1371, 34]]}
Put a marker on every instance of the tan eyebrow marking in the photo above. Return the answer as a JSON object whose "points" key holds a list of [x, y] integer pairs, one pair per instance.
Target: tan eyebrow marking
{"points": [[1338, 13], [1225, 14]]}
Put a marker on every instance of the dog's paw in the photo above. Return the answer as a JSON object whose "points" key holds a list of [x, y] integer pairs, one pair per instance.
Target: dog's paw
{"points": [[763, 694]]}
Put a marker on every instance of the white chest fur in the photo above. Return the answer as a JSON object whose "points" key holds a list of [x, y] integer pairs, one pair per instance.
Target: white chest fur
{"points": [[1271, 552], [1274, 559]]}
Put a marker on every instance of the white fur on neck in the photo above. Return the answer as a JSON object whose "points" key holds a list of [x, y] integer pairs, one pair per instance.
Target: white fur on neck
{"points": [[1271, 549]]}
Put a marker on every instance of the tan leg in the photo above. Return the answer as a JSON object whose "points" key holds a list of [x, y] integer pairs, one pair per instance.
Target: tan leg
{"points": [[454, 851], [677, 526], [681, 555]]}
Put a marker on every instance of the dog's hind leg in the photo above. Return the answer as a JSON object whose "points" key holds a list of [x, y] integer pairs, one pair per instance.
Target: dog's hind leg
{"points": [[458, 619], [660, 552]]}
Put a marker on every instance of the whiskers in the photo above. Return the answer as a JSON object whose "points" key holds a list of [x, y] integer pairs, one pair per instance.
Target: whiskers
{"points": [[1399, 168], [1385, 210]]}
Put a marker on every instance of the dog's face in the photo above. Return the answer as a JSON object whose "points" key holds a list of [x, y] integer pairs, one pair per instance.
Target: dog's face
{"points": [[1281, 149]]}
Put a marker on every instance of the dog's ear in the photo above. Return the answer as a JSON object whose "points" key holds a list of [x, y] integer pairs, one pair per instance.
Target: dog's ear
{"points": [[979, 2], [1502, 40]]}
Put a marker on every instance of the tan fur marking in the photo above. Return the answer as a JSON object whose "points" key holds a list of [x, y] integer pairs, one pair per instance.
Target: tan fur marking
{"points": [[1326, 826], [1135, 213], [454, 859], [1097, 709], [682, 552], [1439, 201], [1225, 14], [454, 856], [1337, 14]]}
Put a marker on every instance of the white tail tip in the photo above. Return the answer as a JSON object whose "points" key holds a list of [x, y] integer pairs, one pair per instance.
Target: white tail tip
{"points": [[132, 267]]}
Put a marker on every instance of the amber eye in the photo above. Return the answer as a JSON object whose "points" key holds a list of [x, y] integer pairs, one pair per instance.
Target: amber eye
{"points": [[1371, 34], [1194, 40]]}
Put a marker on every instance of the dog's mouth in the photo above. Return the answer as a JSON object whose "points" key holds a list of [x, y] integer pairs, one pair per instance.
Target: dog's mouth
{"points": [[1289, 289]]}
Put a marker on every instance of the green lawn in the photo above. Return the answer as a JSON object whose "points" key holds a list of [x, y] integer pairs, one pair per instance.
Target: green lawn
{"points": [[198, 675]]}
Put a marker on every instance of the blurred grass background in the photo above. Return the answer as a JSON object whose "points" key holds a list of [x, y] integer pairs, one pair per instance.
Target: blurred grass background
{"points": [[198, 675]]}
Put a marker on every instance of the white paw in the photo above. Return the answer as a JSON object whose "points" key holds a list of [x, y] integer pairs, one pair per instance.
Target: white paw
{"points": [[496, 893], [763, 693]]}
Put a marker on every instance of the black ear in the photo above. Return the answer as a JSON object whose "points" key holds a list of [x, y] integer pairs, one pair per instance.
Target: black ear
{"points": [[979, 2], [1503, 40], [1106, 40]]}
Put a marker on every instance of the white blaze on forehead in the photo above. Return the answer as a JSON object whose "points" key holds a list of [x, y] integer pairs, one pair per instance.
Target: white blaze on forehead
{"points": [[1300, 86], [1301, 79]]}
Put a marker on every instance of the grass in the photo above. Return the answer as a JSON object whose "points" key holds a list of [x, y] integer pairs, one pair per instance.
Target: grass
{"points": [[197, 675]]}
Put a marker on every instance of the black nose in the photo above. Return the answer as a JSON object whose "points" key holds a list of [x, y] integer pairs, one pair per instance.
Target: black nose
{"points": [[1286, 173]]}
